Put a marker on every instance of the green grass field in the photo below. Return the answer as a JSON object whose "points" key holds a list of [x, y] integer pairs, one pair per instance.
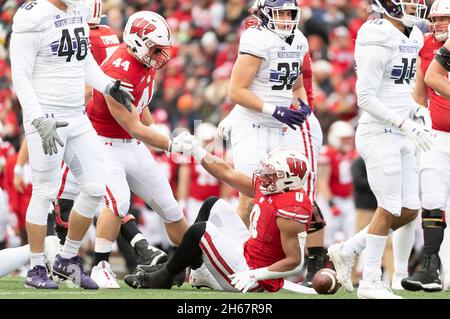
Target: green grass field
{"points": [[13, 288]]}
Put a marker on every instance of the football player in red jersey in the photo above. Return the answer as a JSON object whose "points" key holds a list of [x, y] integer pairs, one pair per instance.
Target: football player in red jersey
{"points": [[335, 181], [239, 260], [437, 76], [129, 164], [434, 165]]}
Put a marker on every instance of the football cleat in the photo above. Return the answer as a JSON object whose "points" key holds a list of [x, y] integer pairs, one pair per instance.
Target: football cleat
{"points": [[177, 281], [151, 256], [72, 269], [315, 263], [397, 281], [160, 279], [426, 279], [37, 278], [375, 290], [342, 265], [104, 277], [52, 247], [201, 277]]}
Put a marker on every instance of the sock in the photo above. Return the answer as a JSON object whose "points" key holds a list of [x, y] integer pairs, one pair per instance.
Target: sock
{"points": [[13, 258], [316, 251], [432, 240], [70, 248], [402, 243], [374, 253], [36, 259], [189, 252], [205, 210], [129, 229], [103, 248], [355, 244], [50, 225]]}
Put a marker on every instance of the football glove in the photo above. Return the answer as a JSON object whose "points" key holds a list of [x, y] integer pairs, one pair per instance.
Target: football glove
{"points": [[288, 116], [224, 128], [120, 95], [422, 116], [244, 281], [421, 137], [46, 127]]}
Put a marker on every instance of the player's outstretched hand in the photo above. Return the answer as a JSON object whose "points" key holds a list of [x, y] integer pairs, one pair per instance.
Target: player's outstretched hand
{"points": [[120, 95], [244, 281], [224, 128], [421, 137], [46, 127], [188, 145]]}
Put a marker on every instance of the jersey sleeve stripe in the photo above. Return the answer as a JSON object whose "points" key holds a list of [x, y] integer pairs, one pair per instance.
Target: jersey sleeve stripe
{"points": [[288, 215]]}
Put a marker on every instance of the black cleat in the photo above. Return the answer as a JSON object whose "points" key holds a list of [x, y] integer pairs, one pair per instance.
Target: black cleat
{"points": [[160, 279], [149, 255], [315, 263], [426, 279]]}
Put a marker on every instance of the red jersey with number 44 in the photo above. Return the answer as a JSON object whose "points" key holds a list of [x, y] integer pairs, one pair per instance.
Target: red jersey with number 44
{"points": [[264, 246], [135, 77], [103, 42], [438, 105]]}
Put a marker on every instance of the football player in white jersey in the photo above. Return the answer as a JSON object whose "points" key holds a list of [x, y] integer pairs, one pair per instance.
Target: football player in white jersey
{"points": [[51, 61], [386, 53]]}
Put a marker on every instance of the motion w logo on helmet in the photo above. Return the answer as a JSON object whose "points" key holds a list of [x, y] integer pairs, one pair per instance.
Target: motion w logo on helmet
{"points": [[142, 27], [296, 167]]}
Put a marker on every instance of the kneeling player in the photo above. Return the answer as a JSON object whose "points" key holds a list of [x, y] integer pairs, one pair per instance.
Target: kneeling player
{"points": [[240, 261]]}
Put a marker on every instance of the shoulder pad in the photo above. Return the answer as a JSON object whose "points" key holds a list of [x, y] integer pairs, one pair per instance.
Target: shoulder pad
{"points": [[30, 17], [375, 32], [253, 35], [254, 41]]}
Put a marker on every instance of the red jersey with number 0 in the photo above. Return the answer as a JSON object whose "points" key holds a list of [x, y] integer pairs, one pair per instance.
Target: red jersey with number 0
{"points": [[340, 170], [135, 77], [439, 106], [264, 246], [103, 42]]}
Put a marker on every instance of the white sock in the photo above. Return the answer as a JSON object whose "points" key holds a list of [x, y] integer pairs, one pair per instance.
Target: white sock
{"points": [[13, 258], [36, 259], [103, 245], [70, 248], [374, 253], [355, 244], [402, 243]]}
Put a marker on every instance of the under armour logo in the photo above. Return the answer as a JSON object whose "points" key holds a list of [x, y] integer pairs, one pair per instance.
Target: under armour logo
{"points": [[256, 125], [387, 130], [280, 113]]}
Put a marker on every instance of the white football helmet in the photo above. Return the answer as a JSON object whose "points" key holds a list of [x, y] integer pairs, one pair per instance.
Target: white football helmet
{"points": [[337, 131], [440, 8], [95, 11], [409, 12], [283, 169], [148, 35]]}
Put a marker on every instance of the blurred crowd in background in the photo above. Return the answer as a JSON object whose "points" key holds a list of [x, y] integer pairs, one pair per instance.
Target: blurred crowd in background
{"points": [[193, 86]]}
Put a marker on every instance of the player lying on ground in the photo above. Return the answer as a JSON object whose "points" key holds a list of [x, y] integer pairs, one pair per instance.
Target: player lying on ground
{"points": [[219, 238]]}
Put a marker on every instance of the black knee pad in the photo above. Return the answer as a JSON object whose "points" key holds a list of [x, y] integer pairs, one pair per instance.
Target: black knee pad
{"points": [[433, 218], [317, 220], [61, 209], [205, 210]]}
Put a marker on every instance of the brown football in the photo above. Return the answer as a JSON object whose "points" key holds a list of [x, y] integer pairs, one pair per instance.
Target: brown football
{"points": [[325, 282]]}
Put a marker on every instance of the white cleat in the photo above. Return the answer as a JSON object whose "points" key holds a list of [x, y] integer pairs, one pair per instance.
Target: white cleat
{"points": [[342, 265], [447, 283], [104, 277], [397, 281], [375, 290], [201, 277], [52, 247]]}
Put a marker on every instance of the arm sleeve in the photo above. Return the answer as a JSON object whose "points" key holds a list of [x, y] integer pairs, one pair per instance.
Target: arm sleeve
{"points": [[24, 49], [370, 67], [307, 79], [94, 75]]}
